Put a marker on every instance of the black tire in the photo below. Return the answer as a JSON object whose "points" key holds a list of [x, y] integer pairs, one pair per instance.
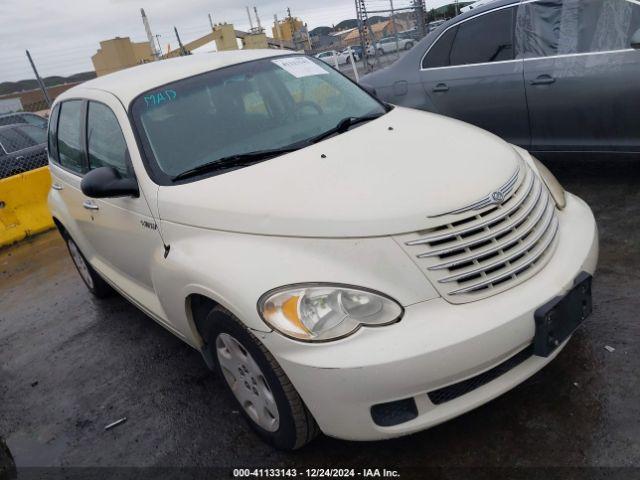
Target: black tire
{"points": [[92, 279], [381, 52], [296, 426], [408, 46]]}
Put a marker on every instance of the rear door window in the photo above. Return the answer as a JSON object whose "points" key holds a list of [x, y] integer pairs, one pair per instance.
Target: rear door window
{"points": [[439, 54], [485, 39], [70, 151]]}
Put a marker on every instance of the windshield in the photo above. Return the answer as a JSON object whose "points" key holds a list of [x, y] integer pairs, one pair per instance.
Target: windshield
{"points": [[261, 105]]}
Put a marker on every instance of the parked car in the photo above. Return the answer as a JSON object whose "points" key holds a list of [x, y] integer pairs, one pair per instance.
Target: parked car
{"points": [[365, 292], [389, 44], [331, 56], [431, 26], [23, 117], [344, 55], [563, 86], [22, 148], [411, 34], [357, 51]]}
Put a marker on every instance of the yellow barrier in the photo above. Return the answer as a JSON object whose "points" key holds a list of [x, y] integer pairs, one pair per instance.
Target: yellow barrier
{"points": [[23, 205]]}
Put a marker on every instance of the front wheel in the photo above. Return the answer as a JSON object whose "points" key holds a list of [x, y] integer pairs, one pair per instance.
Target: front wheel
{"points": [[264, 394], [408, 46]]}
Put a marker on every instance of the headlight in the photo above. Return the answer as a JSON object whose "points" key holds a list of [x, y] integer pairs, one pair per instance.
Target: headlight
{"points": [[319, 312], [553, 185]]}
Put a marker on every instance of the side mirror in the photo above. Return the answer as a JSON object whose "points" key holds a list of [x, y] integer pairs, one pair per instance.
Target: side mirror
{"points": [[635, 40], [106, 182]]}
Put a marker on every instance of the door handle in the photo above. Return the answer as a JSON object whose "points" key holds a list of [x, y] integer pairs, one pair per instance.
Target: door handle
{"points": [[57, 186], [543, 80], [441, 87], [89, 205]]}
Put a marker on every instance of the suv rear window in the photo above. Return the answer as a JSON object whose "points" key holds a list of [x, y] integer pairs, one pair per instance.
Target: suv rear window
{"points": [[19, 137]]}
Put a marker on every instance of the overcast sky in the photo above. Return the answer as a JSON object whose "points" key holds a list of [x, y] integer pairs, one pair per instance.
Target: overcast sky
{"points": [[62, 35]]}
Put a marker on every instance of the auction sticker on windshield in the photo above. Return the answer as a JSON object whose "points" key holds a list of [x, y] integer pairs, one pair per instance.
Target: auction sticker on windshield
{"points": [[300, 67]]}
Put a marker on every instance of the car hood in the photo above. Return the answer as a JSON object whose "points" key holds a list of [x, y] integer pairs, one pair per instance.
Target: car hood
{"points": [[385, 177]]}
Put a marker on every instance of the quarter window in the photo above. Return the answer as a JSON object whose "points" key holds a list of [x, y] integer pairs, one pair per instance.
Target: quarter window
{"points": [[105, 143], [53, 131], [564, 27], [70, 152]]}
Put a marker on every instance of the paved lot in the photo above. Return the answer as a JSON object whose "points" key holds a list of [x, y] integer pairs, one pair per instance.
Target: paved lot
{"points": [[71, 364]]}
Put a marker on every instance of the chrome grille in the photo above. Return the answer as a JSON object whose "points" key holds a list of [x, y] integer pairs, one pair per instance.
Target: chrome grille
{"points": [[481, 253]]}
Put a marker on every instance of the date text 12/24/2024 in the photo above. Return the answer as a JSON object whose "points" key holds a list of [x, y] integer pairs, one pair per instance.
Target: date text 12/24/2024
{"points": [[315, 473]]}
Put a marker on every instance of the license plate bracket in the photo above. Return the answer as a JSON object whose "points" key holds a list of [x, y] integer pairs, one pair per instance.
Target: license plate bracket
{"points": [[559, 318]]}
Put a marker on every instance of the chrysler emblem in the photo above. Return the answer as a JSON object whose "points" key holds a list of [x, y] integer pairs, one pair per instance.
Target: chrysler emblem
{"points": [[497, 197]]}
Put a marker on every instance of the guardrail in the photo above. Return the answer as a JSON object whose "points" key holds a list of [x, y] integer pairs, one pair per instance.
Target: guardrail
{"points": [[23, 205]]}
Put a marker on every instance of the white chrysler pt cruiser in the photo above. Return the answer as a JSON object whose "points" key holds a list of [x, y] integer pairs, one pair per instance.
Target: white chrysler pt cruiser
{"points": [[347, 266]]}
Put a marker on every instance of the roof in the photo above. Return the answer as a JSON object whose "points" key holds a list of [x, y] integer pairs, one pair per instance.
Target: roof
{"points": [[342, 32], [375, 28], [129, 83]]}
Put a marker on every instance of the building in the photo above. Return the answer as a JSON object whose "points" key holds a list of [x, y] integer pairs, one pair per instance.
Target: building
{"points": [[286, 29], [33, 100], [120, 53], [380, 30]]}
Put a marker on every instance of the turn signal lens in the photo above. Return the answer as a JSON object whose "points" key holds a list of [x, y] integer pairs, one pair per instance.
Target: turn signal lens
{"points": [[325, 312], [553, 185]]}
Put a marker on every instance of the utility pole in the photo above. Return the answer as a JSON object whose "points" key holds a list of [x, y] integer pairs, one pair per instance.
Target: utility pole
{"points": [[40, 82], [395, 30], [291, 28], [147, 27], [210, 21], [255, 10], [419, 9], [157, 35], [306, 29], [182, 49], [250, 19]]}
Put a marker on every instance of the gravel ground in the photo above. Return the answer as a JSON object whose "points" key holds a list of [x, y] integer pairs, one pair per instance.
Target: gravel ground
{"points": [[71, 364]]}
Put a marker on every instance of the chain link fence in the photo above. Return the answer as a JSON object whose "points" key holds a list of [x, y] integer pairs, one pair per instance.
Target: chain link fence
{"points": [[11, 166], [22, 149]]}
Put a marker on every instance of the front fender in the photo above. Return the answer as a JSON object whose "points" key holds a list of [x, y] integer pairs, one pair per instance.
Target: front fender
{"points": [[234, 270]]}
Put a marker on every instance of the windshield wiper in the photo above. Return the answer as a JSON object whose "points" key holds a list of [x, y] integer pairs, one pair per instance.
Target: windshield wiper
{"points": [[246, 159], [344, 125], [235, 161]]}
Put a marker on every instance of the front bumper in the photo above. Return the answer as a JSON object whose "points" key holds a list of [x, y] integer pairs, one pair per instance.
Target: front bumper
{"points": [[436, 344]]}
